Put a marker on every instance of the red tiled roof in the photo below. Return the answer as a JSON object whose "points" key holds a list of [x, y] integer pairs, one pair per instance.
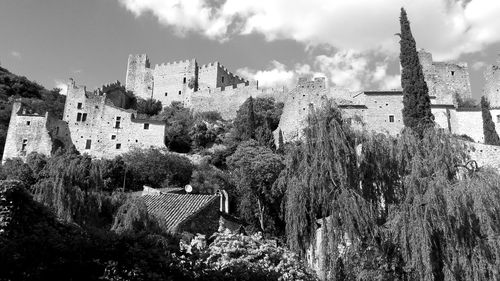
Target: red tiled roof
{"points": [[173, 209]]}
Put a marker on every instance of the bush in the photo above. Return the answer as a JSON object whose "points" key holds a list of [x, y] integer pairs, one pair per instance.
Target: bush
{"points": [[156, 167], [149, 106], [179, 121]]}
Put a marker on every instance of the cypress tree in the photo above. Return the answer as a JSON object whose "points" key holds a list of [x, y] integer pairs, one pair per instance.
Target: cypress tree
{"points": [[490, 134], [281, 143], [251, 120], [417, 113]]}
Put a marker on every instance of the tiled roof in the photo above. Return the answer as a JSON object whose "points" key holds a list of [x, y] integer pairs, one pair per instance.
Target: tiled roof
{"points": [[173, 209]]}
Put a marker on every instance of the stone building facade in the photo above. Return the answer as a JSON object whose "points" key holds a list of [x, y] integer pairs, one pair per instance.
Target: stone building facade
{"points": [[102, 124], [175, 81], [33, 132], [446, 81], [491, 88]]}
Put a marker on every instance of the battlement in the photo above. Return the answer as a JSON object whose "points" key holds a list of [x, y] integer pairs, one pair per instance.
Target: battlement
{"points": [[318, 82], [174, 63]]}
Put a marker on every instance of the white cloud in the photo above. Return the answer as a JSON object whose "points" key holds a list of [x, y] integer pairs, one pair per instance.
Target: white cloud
{"points": [[274, 76], [447, 28], [478, 65], [16, 54], [61, 85]]}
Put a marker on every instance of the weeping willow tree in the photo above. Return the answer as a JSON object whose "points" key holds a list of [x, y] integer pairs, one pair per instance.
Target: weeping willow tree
{"points": [[391, 208], [71, 185]]}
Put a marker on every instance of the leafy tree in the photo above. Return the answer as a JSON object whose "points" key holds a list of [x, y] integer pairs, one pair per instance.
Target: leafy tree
{"points": [[417, 113], [157, 168], [489, 131], [202, 135], [209, 116], [397, 203], [148, 106], [179, 121], [251, 258], [256, 168], [16, 169], [266, 118], [250, 131], [207, 179]]}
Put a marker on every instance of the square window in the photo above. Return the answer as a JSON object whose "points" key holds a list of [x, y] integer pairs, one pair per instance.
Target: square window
{"points": [[118, 145], [113, 137], [78, 117], [184, 80], [88, 144], [84, 117], [24, 144], [146, 126], [391, 118], [28, 123], [79, 106], [180, 92], [222, 79], [166, 94]]}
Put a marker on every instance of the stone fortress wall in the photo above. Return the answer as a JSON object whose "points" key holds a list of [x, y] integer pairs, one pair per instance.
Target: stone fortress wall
{"points": [[102, 124], [491, 88], [176, 81], [445, 80]]}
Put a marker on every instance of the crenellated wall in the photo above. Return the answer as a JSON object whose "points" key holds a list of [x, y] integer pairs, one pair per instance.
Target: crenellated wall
{"points": [[491, 88], [227, 100], [171, 81], [445, 80]]}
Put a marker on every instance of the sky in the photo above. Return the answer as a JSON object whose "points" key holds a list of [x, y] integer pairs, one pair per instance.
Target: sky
{"points": [[352, 42]]}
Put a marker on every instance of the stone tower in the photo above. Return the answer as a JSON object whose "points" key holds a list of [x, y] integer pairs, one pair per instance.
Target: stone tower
{"points": [[139, 76], [447, 81], [492, 84]]}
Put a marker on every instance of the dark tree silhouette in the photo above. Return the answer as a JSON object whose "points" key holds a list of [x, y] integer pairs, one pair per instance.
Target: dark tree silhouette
{"points": [[417, 113], [490, 134]]}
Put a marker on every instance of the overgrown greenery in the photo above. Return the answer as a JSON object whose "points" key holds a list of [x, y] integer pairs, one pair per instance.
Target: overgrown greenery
{"points": [[397, 200], [489, 131], [33, 95], [417, 113], [149, 106]]}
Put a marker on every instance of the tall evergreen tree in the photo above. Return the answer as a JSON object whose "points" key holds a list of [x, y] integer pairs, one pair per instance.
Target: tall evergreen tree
{"points": [[490, 134], [251, 120], [417, 113]]}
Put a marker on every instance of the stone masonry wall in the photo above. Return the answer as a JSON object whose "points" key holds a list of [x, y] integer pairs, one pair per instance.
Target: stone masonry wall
{"points": [[171, 81], [228, 100], [27, 133], [139, 77], [485, 155], [445, 80], [98, 135], [491, 88]]}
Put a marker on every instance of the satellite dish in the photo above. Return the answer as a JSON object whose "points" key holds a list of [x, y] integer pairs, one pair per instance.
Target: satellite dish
{"points": [[188, 188]]}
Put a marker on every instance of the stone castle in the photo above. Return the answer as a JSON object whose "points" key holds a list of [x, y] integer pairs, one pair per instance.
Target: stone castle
{"points": [[102, 123]]}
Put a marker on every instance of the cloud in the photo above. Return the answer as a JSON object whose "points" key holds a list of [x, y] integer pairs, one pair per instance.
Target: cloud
{"points": [[478, 65], [61, 85], [448, 28], [16, 54], [275, 75]]}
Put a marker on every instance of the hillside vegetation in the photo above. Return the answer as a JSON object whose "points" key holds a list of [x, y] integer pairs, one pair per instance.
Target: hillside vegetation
{"points": [[32, 94]]}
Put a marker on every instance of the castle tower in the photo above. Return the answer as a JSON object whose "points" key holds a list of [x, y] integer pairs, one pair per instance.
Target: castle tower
{"points": [[447, 82], [139, 76], [491, 88]]}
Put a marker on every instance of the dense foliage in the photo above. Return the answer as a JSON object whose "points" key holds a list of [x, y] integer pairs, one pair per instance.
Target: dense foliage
{"points": [[391, 208], [256, 168], [33, 95], [489, 131], [157, 168], [257, 118], [417, 113], [240, 257], [179, 121], [149, 106]]}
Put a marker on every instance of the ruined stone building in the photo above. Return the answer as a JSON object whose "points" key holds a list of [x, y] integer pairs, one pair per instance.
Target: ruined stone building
{"points": [[103, 124], [381, 111]]}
